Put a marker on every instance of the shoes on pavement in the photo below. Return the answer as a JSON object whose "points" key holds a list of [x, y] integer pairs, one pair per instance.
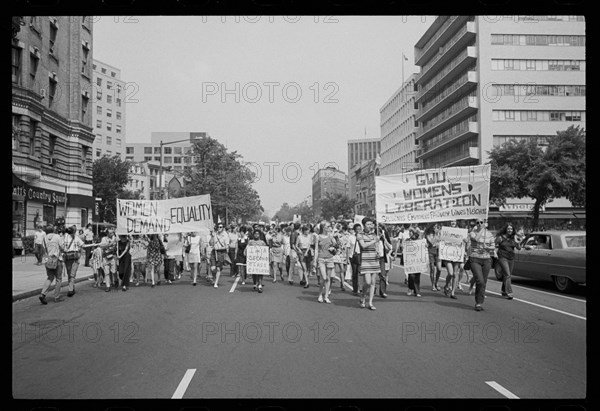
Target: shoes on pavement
{"points": [[59, 300], [124, 288], [320, 299], [410, 292], [453, 297], [152, 286], [243, 283], [43, 299], [362, 303], [194, 283], [216, 285], [306, 285], [107, 289], [260, 288], [70, 293], [418, 295], [327, 300], [384, 295], [372, 307], [509, 297], [478, 307]]}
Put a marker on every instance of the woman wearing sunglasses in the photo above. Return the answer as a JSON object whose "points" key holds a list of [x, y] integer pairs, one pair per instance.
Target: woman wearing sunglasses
{"points": [[482, 248]]}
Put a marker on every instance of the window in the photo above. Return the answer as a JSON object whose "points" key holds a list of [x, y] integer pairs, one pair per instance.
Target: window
{"points": [[108, 152], [118, 102], [33, 125], [94, 66], [99, 110], [84, 107], [33, 65], [98, 123], [157, 158], [147, 150], [84, 59], [51, 91], [109, 126], [103, 70], [113, 74], [98, 139], [168, 150], [118, 89], [167, 160], [118, 141], [98, 95], [554, 116], [98, 81], [177, 160], [118, 128], [156, 150], [108, 140], [16, 65], [51, 146], [128, 150], [108, 112], [52, 39], [109, 85], [148, 158], [84, 154], [98, 152], [109, 99], [118, 115], [178, 150]]}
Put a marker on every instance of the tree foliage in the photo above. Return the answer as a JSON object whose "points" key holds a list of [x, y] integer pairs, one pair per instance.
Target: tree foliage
{"points": [[229, 182], [109, 176], [525, 169], [335, 205], [286, 213]]}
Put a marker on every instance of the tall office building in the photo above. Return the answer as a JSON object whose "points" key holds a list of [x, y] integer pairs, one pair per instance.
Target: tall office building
{"points": [[488, 79], [51, 121], [328, 180], [360, 151], [108, 111], [398, 131]]}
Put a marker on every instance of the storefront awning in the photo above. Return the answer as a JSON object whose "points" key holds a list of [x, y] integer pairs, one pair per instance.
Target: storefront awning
{"points": [[507, 214], [547, 216]]}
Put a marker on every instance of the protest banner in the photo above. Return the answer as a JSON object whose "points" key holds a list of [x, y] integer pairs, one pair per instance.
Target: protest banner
{"points": [[424, 196], [257, 259], [416, 256], [452, 243], [176, 215]]}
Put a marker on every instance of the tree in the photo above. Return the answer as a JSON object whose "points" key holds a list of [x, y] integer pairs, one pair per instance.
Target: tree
{"points": [[335, 205], [525, 169], [285, 213], [109, 176], [222, 175], [130, 195]]}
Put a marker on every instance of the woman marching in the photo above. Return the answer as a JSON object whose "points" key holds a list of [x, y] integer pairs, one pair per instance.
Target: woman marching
{"points": [[276, 252], [256, 241], [240, 259], [482, 249], [326, 249], [73, 247], [194, 254], [304, 251], [124, 258], [432, 234], [507, 241], [453, 268], [385, 260], [155, 252], [414, 279], [369, 267]]}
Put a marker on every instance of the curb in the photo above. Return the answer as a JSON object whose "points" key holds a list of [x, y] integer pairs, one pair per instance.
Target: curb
{"points": [[32, 293]]}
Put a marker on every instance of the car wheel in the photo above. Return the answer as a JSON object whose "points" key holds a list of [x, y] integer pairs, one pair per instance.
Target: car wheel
{"points": [[563, 284]]}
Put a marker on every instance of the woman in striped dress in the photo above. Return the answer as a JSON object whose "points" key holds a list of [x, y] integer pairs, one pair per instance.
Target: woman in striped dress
{"points": [[369, 267]]}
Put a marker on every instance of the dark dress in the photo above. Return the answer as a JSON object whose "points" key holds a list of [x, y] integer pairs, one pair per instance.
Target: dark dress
{"points": [[241, 258]]}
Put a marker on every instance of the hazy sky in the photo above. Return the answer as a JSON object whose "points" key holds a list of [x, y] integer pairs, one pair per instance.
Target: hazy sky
{"points": [[305, 85]]}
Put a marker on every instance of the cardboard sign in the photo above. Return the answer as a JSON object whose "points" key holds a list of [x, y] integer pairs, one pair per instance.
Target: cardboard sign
{"points": [[452, 245], [416, 256], [257, 259]]}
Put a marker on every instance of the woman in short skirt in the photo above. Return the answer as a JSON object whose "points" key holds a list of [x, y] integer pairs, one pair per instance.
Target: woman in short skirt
{"points": [[369, 266], [276, 253]]}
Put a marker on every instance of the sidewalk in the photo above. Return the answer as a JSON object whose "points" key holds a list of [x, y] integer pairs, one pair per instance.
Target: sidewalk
{"points": [[28, 278]]}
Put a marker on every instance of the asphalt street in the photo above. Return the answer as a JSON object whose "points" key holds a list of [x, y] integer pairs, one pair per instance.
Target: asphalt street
{"points": [[180, 341]]}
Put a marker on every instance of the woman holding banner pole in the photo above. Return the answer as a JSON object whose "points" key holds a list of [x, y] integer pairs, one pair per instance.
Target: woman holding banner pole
{"points": [[482, 248], [256, 241]]}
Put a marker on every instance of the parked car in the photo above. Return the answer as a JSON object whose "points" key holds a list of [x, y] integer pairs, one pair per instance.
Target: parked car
{"points": [[558, 256]]}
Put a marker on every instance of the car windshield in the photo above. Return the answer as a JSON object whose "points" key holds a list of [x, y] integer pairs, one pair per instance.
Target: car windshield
{"points": [[575, 241]]}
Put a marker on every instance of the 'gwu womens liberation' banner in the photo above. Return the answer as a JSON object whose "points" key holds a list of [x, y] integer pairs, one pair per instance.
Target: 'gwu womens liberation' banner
{"points": [[176, 215], [444, 194]]}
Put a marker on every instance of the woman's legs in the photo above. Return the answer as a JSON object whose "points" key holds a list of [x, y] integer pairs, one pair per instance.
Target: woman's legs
{"points": [[432, 269], [449, 278], [194, 268], [327, 281], [507, 267]]}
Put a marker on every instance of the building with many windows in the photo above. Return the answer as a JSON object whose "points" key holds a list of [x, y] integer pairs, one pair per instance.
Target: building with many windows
{"points": [[364, 199], [108, 111], [360, 151], [398, 131], [52, 134], [175, 155], [327, 181], [485, 80], [488, 79]]}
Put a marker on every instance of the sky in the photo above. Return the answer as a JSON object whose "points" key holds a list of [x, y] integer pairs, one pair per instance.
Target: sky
{"points": [[285, 92]]}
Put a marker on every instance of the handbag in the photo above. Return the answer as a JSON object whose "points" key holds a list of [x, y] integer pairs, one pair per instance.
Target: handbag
{"points": [[72, 255], [467, 265], [51, 261]]}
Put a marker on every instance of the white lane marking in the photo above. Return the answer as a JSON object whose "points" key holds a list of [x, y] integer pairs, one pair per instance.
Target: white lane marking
{"points": [[553, 294], [347, 285], [237, 279], [189, 374], [539, 305], [502, 390], [543, 306]]}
